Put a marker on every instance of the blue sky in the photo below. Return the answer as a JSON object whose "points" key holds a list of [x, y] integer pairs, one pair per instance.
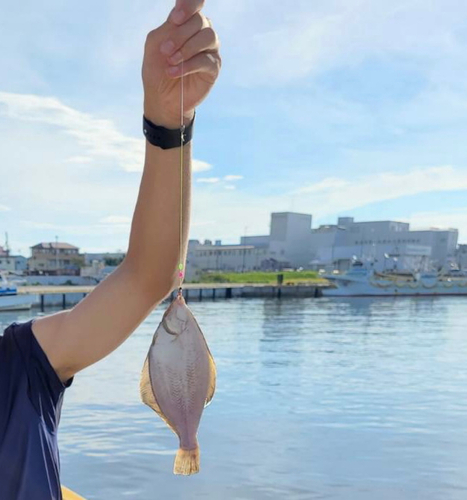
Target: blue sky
{"points": [[343, 107]]}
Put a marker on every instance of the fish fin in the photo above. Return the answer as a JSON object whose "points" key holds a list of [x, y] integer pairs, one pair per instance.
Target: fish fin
{"points": [[212, 380], [145, 388], [187, 461], [147, 394]]}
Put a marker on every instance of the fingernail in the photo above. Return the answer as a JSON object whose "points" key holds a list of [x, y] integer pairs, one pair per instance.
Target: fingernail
{"points": [[176, 58], [173, 70], [178, 16], [167, 47]]}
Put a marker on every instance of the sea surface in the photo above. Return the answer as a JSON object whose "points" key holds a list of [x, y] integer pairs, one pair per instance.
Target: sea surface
{"points": [[355, 399]]}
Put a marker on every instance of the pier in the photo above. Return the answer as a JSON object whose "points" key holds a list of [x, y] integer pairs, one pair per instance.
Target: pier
{"points": [[65, 296]]}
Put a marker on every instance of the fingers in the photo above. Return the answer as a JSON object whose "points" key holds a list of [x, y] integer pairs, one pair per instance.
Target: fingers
{"points": [[205, 62], [204, 40], [184, 10], [179, 35], [186, 42]]}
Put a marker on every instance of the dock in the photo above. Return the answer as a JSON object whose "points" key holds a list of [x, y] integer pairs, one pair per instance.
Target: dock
{"points": [[71, 294]]}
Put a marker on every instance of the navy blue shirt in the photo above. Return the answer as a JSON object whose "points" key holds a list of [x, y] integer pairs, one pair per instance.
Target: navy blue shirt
{"points": [[31, 396]]}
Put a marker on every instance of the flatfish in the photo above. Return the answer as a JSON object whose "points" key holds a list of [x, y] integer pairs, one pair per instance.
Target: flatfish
{"points": [[178, 380]]}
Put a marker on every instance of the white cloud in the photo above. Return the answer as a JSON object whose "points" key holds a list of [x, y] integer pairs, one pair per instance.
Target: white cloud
{"points": [[333, 195], [229, 186], [233, 177], [4, 208], [115, 219], [88, 230], [209, 180], [98, 137], [79, 159], [40, 225], [311, 37], [330, 183], [200, 166]]}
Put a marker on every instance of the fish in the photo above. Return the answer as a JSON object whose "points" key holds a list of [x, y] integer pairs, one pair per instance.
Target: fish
{"points": [[178, 380]]}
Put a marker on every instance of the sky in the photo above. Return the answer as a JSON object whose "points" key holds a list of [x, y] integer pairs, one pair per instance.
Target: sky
{"points": [[334, 108]]}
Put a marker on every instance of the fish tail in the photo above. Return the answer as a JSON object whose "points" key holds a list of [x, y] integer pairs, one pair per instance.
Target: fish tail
{"points": [[187, 461]]}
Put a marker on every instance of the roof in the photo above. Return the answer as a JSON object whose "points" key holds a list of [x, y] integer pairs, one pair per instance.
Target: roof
{"points": [[224, 247], [292, 213], [382, 222], [51, 245]]}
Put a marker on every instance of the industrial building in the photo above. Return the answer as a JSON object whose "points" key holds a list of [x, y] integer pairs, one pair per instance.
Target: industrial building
{"points": [[287, 245], [387, 244], [293, 243]]}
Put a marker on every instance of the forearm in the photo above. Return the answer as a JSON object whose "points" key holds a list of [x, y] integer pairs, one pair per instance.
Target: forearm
{"points": [[155, 250], [154, 246]]}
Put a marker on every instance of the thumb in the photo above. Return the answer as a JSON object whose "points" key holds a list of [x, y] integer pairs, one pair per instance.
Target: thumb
{"points": [[178, 6]]}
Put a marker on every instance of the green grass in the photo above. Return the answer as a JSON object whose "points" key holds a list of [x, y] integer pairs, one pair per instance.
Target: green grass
{"points": [[290, 277]]}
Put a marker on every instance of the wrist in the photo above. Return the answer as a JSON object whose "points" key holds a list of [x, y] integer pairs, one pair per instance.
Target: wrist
{"points": [[158, 117], [165, 134]]}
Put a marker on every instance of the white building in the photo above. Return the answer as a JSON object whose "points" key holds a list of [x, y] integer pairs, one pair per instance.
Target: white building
{"points": [[287, 245], [13, 263], [102, 257], [206, 256], [290, 238], [389, 244], [461, 257]]}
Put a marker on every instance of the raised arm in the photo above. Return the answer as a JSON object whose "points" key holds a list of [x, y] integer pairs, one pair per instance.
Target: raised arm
{"points": [[76, 338]]}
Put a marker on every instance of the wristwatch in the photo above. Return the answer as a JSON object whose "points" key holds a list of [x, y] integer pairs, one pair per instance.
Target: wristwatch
{"points": [[167, 138]]}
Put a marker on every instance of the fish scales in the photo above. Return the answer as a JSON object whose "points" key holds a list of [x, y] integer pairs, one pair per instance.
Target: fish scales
{"points": [[178, 380]]}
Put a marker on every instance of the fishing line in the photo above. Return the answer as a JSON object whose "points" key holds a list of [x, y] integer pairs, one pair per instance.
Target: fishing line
{"points": [[182, 137]]}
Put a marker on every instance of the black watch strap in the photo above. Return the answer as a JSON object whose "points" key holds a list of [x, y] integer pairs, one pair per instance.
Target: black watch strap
{"points": [[166, 138]]}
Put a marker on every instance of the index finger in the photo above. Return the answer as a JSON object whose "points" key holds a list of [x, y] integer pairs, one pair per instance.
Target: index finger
{"points": [[184, 10]]}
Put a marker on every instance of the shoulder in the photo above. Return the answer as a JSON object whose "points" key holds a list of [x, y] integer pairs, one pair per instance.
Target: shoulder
{"points": [[19, 338], [16, 338], [26, 366]]}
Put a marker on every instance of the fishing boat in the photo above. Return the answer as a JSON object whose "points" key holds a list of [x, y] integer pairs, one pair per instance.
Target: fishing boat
{"points": [[10, 299], [362, 281]]}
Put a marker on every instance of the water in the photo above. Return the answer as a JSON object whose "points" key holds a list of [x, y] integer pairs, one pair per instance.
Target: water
{"points": [[349, 399]]}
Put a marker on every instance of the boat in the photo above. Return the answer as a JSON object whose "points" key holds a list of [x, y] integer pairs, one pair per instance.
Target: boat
{"points": [[362, 281], [10, 299]]}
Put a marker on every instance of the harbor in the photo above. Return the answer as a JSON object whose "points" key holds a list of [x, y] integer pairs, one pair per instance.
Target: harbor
{"points": [[359, 281], [66, 296]]}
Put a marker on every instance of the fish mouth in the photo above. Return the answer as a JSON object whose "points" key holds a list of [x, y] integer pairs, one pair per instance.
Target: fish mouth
{"points": [[177, 302]]}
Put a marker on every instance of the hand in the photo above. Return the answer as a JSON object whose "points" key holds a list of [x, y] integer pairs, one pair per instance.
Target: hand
{"points": [[194, 41]]}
